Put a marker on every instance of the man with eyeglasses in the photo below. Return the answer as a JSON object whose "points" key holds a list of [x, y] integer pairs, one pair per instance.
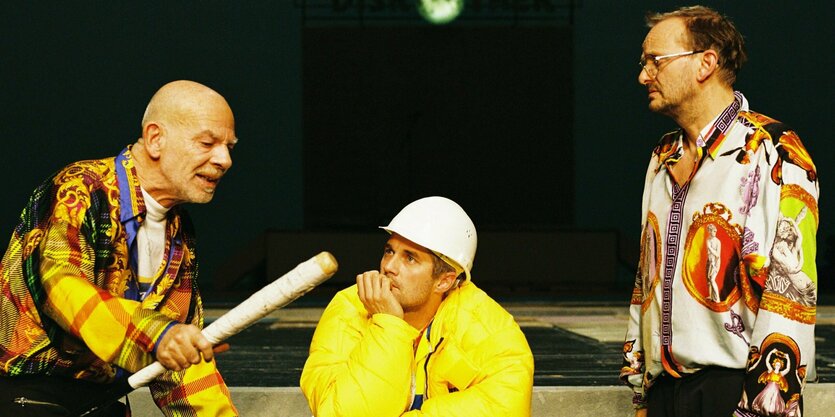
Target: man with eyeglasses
{"points": [[698, 343]]}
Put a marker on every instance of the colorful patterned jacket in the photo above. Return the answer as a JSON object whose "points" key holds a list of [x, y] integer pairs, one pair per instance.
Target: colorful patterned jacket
{"points": [[727, 272], [64, 280], [478, 362]]}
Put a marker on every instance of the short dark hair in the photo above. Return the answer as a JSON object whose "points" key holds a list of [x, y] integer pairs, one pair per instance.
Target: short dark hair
{"points": [[710, 30], [439, 266]]}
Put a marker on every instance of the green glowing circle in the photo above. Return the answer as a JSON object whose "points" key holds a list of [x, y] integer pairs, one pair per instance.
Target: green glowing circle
{"points": [[440, 12]]}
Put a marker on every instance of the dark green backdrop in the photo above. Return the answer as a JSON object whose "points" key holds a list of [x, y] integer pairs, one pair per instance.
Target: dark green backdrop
{"points": [[77, 75]]}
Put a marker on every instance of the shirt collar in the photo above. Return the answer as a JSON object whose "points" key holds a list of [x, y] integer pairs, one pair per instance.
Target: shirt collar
{"points": [[712, 136], [131, 202]]}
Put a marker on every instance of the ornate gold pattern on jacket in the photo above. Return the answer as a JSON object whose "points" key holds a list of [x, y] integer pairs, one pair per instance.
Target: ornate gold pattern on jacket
{"points": [[71, 245], [797, 192], [787, 308]]}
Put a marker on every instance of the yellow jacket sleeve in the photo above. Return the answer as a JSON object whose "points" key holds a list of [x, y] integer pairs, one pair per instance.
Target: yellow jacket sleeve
{"points": [[358, 366]]}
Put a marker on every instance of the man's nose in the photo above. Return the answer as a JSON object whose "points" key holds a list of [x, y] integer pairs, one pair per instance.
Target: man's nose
{"points": [[643, 76], [388, 265], [221, 157]]}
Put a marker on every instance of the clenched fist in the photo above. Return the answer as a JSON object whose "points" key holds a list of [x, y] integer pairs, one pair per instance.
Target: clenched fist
{"points": [[182, 346]]}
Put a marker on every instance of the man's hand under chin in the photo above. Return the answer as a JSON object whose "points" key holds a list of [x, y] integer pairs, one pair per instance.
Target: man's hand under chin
{"points": [[374, 291]]}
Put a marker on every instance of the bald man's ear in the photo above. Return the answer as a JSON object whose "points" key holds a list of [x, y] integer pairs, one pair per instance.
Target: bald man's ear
{"points": [[708, 65], [152, 139]]}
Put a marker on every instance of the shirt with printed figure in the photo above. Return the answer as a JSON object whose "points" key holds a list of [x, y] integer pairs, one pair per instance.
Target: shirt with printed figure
{"points": [[712, 287]]}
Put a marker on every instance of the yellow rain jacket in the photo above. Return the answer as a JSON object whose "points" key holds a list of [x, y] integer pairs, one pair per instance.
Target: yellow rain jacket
{"points": [[479, 363]]}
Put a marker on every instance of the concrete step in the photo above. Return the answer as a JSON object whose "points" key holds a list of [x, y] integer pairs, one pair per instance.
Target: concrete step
{"points": [[614, 401]]}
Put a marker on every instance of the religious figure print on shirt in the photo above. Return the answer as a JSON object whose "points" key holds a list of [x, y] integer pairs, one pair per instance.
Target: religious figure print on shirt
{"points": [[775, 365], [713, 247], [749, 189], [791, 281], [785, 273], [649, 266], [711, 270]]}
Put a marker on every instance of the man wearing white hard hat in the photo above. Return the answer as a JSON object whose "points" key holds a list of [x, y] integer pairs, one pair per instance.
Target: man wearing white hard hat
{"points": [[417, 337]]}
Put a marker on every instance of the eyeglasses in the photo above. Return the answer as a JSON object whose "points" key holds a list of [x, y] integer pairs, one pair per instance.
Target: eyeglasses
{"points": [[652, 69]]}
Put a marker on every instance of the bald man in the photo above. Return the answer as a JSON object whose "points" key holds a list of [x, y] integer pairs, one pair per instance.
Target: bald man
{"points": [[100, 276]]}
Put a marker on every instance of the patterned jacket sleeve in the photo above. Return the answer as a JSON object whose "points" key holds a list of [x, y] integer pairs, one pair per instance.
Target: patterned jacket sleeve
{"points": [[357, 366], [633, 367], [115, 329], [779, 253], [198, 391]]}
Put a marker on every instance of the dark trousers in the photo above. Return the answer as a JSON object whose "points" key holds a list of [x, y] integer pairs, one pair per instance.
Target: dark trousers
{"points": [[711, 392], [43, 396]]}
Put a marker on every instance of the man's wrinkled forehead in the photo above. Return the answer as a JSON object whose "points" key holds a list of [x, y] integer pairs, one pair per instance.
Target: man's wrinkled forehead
{"points": [[666, 36]]}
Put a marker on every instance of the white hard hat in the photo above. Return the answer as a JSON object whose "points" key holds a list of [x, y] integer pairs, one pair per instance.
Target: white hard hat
{"points": [[440, 225]]}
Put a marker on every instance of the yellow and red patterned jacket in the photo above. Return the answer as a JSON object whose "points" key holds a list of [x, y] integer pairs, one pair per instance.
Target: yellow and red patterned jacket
{"points": [[68, 294]]}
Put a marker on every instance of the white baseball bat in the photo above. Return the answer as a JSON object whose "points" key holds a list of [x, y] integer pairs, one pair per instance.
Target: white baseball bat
{"points": [[275, 295]]}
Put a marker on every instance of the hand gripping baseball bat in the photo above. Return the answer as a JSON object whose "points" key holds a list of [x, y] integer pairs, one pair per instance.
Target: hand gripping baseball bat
{"points": [[275, 295]]}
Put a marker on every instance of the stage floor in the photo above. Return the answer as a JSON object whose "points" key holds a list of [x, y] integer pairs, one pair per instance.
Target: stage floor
{"points": [[573, 345]]}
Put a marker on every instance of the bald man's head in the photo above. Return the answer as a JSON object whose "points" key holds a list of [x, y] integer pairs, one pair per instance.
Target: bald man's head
{"points": [[188, 133], [179, 101]]}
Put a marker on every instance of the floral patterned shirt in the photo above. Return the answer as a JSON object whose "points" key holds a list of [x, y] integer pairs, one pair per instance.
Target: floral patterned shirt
{"points": [[727, 271]]}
